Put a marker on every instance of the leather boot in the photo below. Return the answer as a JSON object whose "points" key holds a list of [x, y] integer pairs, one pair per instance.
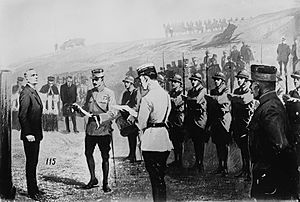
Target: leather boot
{"points": [[105, 169]]}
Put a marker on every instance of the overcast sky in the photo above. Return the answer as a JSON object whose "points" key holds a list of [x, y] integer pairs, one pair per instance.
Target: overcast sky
{"points": [[31, 27]]}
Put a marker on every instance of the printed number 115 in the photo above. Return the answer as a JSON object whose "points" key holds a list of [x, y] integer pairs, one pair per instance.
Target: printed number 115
{"points": [[50, 161]]}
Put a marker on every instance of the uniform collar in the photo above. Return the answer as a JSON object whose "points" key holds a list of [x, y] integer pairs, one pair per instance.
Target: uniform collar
{"points": [[267, 96], [99, 89]]}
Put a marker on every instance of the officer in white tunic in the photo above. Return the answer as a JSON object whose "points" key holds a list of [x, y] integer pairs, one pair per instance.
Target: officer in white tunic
{"points": [[152, 117]]}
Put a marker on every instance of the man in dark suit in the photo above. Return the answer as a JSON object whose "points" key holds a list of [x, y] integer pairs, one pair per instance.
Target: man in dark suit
{"points": [[283, 52], [68, 94], [30, 117]]}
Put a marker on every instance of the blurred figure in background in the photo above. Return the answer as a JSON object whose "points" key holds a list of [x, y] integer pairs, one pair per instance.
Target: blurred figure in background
{"points": [[68, 95], [50, 97]]}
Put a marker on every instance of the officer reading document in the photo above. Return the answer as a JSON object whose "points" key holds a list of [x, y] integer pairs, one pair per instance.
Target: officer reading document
{"points": [[152, 117]]}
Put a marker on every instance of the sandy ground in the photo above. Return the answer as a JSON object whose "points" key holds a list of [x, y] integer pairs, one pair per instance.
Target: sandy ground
{"points": [[63, 180]]}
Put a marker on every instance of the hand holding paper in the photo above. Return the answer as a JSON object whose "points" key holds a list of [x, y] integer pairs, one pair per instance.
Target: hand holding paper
{"points": [[131, 111]]}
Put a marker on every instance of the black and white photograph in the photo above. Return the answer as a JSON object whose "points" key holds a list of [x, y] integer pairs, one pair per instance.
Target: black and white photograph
{"points": [[147, 100]]}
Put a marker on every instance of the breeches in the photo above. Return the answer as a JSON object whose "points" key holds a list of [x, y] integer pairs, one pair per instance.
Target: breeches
{"points": [[103, 144], [155, 163]]}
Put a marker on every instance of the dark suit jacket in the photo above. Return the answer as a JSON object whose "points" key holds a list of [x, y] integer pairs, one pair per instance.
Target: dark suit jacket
{"points": [[30, 113], [68, 94]]}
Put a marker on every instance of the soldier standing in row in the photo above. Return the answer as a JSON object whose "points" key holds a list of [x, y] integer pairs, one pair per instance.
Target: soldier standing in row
{"points": [[229, 69], [242, 110], [274, 172], [130, 97], [196, 118], [235, 54], [223, 59], [213, 68], [176, 119], [219, 120], [152, 118], [206, 59]]}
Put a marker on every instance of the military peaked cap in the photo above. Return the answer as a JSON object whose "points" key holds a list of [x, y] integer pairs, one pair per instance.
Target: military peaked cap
{"points": [[146, 69], [97, 73], [263, 73]]}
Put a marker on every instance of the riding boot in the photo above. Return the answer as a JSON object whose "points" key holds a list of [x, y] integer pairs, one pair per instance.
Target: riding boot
{"points": [[105, 169]]}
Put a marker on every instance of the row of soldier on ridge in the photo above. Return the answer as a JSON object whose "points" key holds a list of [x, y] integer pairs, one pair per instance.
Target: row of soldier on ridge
{"points": [[253, 116]]}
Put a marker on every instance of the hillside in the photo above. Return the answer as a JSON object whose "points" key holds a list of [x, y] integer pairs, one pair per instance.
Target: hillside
{"points": [[115, 58]]}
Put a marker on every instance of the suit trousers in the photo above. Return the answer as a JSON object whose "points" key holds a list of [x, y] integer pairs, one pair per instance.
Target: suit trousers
{"points": [[155, 163], [32, 154]]}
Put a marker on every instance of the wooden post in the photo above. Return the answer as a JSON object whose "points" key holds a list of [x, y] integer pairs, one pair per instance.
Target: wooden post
{"points": [[7, 190]]}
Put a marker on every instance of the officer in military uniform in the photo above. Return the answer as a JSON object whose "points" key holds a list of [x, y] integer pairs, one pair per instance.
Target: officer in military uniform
{"points": [[196, 117], [274, 171], [219, 120], [242, 109], [152, 118], [176, 118], [98, 102]]}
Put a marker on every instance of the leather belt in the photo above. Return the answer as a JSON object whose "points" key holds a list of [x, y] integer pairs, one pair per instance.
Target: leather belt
{"points": [[156, 125]]}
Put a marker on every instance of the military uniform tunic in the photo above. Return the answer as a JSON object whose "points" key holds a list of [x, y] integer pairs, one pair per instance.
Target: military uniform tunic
{"points": [[242, 110], [99, 102], [274, 161], [155, 108], [219, 116]]}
